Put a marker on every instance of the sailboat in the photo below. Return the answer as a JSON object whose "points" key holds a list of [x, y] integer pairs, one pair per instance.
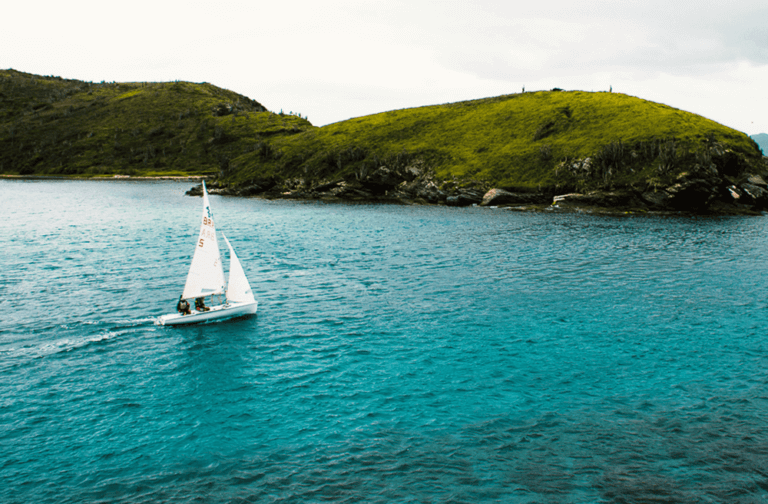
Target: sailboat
{"points": [[206, 278]]}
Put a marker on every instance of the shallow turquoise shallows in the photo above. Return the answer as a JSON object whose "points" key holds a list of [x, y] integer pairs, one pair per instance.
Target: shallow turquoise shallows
{"points": [[400, 354]]}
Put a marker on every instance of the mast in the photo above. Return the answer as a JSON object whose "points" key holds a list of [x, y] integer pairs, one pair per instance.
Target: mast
{"points": [[206, 274]]}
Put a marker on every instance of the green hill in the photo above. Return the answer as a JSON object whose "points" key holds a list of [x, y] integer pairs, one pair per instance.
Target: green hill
{"points": [[546, 142], [518, 141], [54, 126]]}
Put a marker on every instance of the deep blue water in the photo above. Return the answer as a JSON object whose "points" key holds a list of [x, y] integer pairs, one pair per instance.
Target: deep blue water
{"points": [[400, 354]]}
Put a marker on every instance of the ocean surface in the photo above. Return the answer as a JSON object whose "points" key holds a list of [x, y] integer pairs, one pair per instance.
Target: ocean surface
{"points": [[400, 353]]}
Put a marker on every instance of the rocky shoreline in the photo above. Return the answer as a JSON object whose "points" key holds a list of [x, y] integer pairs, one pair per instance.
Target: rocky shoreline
{"points": [[699, 190]]}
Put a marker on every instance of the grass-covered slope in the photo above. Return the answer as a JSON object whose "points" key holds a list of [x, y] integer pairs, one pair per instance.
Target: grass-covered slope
{"points": [[522, 140], [54, 126], [551, 140]]}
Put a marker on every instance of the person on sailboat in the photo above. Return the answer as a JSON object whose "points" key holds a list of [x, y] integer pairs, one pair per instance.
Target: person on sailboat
{"points": [[200, 304], [183, 306]]}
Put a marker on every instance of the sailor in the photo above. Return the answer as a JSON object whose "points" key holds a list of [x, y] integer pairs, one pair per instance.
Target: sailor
{"points": [[200, 305], [183, 306]]}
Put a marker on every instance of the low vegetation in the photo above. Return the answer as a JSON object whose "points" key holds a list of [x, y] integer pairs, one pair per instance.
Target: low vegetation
{"points": [[521, 141], [555, 140], [54, 126]]}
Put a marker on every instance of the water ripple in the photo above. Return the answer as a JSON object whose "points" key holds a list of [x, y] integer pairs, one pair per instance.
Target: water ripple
{"points": [[400, 354]]}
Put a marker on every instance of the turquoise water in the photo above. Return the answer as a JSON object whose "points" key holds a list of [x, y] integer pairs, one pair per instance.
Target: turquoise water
{"points": [[400, 354]]}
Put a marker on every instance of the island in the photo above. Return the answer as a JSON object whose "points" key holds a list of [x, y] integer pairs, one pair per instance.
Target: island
{"points": [[552, 149]]}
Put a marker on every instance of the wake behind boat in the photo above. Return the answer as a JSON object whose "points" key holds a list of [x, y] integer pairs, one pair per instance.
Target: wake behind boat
{"points": [[206, 279]]}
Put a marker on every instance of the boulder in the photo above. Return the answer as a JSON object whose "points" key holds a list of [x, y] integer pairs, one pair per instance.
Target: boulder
{"points": [[465, 197], [213, 188], [429, 191], [195, 191], [328, 186], [382, 179], [476, 195], [411, 173], [338, 190], [458, 201], [754, 195], [735, 195], [692, 192]]}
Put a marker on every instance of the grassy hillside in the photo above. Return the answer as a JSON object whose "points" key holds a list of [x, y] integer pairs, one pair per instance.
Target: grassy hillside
{"points": [[549, 139], [522, 141], [55, 126]]}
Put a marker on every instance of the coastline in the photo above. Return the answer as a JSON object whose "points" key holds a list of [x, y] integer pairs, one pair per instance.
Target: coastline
{"points": [[576, 203], [553, 207]]}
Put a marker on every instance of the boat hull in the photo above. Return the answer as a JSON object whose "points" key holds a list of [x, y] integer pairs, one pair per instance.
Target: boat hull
{"points": [[216, 313]]}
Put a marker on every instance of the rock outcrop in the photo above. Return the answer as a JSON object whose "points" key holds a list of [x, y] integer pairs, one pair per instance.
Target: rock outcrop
{"points": [[465, 197], [694, 190], [702, 188]]}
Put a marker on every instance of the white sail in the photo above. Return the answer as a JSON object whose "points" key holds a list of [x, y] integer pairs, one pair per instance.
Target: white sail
{"points": [[206, 274], [238, 288]]}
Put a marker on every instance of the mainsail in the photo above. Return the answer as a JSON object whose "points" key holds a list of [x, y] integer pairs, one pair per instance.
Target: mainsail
{"points": [[206, 274], [206, 277], [238, 288]]}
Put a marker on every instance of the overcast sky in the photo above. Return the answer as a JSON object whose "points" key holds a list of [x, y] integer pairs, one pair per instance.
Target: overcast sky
{"points": [[332, 60]]}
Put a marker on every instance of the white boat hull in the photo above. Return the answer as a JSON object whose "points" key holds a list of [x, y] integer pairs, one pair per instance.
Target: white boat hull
{"points": [[221, 312]]}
